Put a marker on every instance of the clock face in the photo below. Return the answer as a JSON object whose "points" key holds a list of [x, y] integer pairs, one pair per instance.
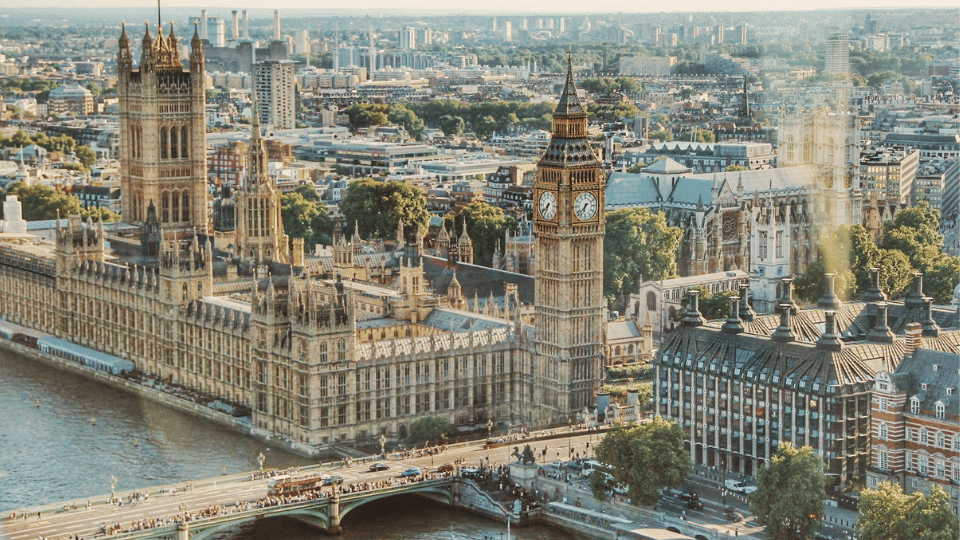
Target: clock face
{"points": [[548, 205], [585, 206]]}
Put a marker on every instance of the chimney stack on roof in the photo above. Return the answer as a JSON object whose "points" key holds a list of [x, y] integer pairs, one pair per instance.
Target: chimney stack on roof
{"points": [[829, 340], [881, 332], [747, 313], [783, 333], [829, 300], [732, 325]]}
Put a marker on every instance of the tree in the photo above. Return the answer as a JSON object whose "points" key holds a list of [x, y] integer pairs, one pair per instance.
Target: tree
{"points": [[646, 458], [399, 114], [887, 513], [378, 207], [86, 156], [811, 284], [791, 491], [305, 218], [915, 233], [895, 271], [41, 202], [485, 128], [712, 305], [452, 125], [638, 244], [100, 214], [735, 168], [486, 226], [429, 429], [941, 279], [367, 114]]}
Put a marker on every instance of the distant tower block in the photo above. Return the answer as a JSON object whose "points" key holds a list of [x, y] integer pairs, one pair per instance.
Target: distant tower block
{"points": [[276, 25]]}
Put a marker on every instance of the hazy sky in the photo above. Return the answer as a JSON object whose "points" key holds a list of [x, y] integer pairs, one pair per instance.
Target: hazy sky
{"points": [[550, 6]]}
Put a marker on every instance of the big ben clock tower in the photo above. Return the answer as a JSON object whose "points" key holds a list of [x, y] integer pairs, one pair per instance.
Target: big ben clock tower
{"points": [[569, 228]]}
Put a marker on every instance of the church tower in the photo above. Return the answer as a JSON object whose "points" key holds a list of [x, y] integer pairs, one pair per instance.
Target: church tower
{"points": [[259, 225], [162, 134], [569, 225]]}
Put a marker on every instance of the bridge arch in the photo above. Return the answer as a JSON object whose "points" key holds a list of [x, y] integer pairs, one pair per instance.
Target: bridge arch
{"points": [[313, 518], [438, 493]]}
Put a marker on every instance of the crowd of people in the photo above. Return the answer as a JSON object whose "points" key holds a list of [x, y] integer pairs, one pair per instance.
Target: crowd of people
{"points": [[269, 501]]}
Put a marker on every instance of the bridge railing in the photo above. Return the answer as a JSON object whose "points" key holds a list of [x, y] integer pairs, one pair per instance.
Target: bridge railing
{"points": [[279, 509]]}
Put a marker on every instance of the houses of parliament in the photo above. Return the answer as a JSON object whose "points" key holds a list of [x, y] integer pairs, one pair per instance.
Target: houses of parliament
{"points": [[322, 350]]}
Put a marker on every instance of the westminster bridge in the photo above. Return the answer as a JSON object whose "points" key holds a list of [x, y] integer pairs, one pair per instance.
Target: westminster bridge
{"points": [[195, 510]]}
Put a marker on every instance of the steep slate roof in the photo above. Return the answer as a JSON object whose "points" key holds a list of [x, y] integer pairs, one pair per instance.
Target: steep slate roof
{"points": [[666, 166], [477, 281], [938, 370]]}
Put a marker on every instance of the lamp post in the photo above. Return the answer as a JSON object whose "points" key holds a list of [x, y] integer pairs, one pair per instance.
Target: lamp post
{"points": [[383, 442], [260, 459], [113, 487], [723, 485], [489, 427]]}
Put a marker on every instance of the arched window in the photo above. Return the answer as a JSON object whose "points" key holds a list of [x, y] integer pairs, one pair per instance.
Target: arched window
{"points": [[651, 301], [341, 351], [175, 206], [630, 349], [164, 141], [184, 142], [174, 143], [323, 352], [883, 430], [185, 207], [165, 207]]}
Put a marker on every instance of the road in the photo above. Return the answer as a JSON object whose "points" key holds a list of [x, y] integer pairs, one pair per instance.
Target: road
{"points": [[194, 497]]}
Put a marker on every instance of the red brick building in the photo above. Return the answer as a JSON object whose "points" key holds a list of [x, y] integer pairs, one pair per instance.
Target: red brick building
{"points": [[915, 422]]}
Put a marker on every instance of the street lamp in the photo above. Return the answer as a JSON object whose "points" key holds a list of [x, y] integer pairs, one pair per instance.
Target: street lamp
{"points": [[723, 486], [383, 442], [260, 459], [113, 487], [489, 427]]}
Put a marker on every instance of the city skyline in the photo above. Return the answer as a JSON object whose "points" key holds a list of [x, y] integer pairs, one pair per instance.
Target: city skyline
{"points": [[564, 7]]}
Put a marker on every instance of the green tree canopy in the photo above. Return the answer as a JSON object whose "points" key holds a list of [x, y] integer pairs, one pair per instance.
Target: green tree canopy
{"points": [[379, 206], [646, 457], [638, 244], [431, 429], [86, 156], [400, 114], [486, 226], [791, 491], [887, 513], [367, 114], [305, 218], [712, 305], [451, 125], [42, 202], [914, 232]]}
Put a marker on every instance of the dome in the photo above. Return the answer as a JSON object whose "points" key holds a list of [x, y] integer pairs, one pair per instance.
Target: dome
{"points": [[956, 295]]}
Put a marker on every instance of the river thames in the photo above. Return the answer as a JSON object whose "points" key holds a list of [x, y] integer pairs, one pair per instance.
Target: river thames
{"points": [[63, 437]]}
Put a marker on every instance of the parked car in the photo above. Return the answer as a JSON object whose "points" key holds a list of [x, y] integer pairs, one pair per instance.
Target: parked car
{"points": [[412, 471], [688, 496], [379, 467], [694, 505], [446, 467], [739, 487]]}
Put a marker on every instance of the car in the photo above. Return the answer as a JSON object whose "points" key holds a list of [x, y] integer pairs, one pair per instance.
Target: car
{"points": [[379, 467], [470, 472], [688, 496], [331, 480], [411, 471], [739, 487], [735, 517], [446, 467], [694, 505]]}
